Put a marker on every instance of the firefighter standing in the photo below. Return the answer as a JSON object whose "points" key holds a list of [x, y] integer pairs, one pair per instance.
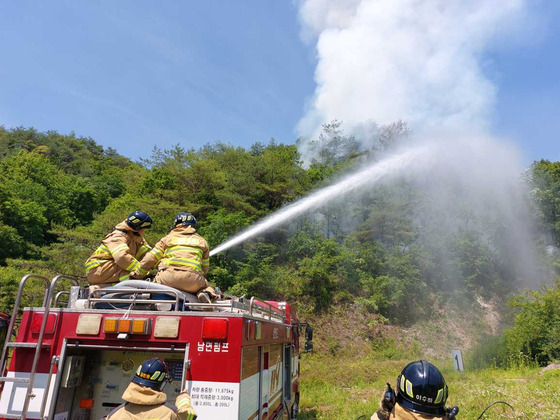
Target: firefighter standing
{"points": [[183, 256], [120, 251], [146, 400], [421, 394]]}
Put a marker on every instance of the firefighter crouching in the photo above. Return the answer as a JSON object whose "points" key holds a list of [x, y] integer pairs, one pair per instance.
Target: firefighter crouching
{"points": [[120, 251], [183, 260], [421, 395], [145, 399]]}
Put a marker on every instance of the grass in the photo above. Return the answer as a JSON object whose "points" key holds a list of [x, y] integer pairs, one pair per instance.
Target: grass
{"points": [[350, 382], [355, 356]]}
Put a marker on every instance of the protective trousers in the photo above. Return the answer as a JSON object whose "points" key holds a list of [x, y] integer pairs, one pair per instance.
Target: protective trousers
{"points": [[182, 279]]}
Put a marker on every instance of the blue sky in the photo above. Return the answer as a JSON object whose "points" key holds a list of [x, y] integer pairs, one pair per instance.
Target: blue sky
{"points": [[136, 74], [528, 80]]}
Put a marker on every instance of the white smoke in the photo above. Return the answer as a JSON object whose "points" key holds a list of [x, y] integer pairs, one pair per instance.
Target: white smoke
{"points": [[422, 61]]}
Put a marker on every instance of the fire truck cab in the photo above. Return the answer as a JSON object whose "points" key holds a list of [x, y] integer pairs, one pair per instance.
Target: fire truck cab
{"points": [[73, 357]]}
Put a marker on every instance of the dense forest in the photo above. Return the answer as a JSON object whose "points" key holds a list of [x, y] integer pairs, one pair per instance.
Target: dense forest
{"points": [[375, 251]]}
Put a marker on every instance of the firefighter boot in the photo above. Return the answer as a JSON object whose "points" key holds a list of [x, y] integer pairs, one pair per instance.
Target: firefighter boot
{"points": [[212, 293], [203, 297], [93, 287]]}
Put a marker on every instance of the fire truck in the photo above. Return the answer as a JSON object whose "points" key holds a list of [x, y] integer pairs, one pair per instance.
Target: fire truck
{"points": [[74, 355]]}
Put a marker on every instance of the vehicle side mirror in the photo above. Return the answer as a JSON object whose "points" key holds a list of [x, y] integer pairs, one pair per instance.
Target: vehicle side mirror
{"points": [[308, 339], [308, 333]]}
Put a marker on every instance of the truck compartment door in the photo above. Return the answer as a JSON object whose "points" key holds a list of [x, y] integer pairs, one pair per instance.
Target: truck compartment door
{"points": [[94, 379]]}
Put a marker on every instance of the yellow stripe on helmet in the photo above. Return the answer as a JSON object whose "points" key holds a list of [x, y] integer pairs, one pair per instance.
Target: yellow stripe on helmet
{"points": [[439, 397], [409, 388]]}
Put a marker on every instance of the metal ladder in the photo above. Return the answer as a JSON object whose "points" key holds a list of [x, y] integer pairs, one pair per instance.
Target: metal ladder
{"points": [[38, 346]]}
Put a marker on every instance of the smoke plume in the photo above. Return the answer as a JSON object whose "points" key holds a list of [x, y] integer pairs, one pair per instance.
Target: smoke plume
{"points": [[425, 63], [421, 61]]}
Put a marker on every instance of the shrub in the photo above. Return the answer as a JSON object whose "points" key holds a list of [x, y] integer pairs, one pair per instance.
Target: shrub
{"points": [[536, 332]]}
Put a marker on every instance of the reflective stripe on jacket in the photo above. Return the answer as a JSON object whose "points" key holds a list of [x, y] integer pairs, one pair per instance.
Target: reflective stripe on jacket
{"points": [[181, 248], [123, 248]]}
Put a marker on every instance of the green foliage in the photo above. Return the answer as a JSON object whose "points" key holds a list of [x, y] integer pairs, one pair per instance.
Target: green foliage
{"points": [[536, 332], [475, 262], [10, 278], [226, 177], [221, 225], [493, 352], [13, 244], [50, 180], [333, 147], [255, 277], [38, 194], [59, 195], [545, 182], [534, 338]]}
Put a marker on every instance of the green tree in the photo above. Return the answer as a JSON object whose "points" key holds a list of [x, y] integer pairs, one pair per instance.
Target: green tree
{"points": [[545, 183]]}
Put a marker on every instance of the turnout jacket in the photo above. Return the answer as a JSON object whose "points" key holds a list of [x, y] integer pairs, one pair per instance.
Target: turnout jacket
{"points": [[144, 403], [401, 413], [118, 255], [181, 249]]}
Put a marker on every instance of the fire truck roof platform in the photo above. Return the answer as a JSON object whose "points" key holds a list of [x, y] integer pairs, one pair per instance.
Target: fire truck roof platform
{"points": [[140, 295]]}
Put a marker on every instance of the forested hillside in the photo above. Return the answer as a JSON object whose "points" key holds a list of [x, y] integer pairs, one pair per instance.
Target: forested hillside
{"points": [[390, 251]]}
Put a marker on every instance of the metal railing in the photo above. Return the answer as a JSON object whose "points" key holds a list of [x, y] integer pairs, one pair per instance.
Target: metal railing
{"points": [[47, 301], [254, 307]]}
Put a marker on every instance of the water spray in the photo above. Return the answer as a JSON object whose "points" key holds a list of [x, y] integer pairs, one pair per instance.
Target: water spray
{"points": [[367, 176]]}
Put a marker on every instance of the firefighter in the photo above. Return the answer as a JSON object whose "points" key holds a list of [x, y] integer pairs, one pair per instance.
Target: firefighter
{"points": [[421, 394], [183, 258], [120, 251], [145, 398]]}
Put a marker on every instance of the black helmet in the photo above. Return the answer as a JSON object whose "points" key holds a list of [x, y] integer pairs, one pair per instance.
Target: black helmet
{"points": [[421, 388], [152, 373], [139, 220], [184, 218]]}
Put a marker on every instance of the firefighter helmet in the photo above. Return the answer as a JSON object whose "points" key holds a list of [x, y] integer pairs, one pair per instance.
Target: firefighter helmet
{"points": [[184, 218], [139, 220], [152, 373], [421, 388]]}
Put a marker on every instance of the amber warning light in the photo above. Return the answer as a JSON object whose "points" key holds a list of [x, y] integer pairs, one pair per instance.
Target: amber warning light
{"points": [[215, 329], [126, 326]]}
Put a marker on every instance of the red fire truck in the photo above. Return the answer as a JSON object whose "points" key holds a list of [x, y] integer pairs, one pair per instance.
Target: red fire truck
{"points": [[73, 356]]}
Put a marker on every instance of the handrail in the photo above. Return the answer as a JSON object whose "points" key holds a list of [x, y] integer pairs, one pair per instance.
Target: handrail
{"points": [[58, 295], [47, 306], [61, 277], [15, 313], [266, 308], [255, 307], [38, 349]]}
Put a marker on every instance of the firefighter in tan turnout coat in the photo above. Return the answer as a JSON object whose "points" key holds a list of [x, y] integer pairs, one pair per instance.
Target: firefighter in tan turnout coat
{"points": [[421, 395], [183, 259], [145, 399], [120, 251]]}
